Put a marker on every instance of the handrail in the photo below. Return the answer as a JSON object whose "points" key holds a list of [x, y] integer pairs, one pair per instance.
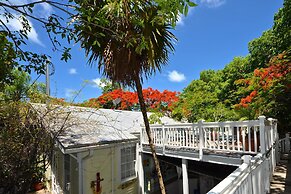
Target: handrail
{"points": [[248, 176], [249, 137], [232, 181], [284, 144]]}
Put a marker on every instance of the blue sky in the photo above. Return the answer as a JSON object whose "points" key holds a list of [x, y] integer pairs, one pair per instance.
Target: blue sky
{"points": [[208, 38]]}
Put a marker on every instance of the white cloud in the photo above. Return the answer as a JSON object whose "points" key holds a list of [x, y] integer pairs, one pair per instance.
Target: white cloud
{"points": [[72, 71], [180, 21], [15, 25], [175, 76], [181, 18], [46, 10], [42, 10], [213, 3], [97, 83], [33, 36], [69, 93]]}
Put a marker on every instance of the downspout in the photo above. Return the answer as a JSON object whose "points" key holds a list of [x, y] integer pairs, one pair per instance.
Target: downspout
{"points": [[80, 160], [112, 171]]}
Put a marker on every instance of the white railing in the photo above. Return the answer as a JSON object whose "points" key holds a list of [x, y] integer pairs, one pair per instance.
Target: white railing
{"points": [[284, 144], [254, 175], [250, 137]]}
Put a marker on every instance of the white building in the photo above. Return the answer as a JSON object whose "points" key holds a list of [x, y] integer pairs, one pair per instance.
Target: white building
{"points": [[96, 150]]}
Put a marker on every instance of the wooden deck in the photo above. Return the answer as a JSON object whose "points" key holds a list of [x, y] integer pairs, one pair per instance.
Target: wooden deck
{"points": [[281, 182], [212, 156], [215, 142]]}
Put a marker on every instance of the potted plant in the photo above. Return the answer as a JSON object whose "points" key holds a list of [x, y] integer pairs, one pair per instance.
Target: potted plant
{"points": [[37, 179]]}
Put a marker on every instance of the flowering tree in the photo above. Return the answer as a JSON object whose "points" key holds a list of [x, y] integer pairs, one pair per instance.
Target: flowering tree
{"points": [[269, 90], [154, 100]]}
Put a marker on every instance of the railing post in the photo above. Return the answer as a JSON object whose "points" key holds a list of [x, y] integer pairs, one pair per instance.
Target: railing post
{"points": [[273, 145], [272, 131], [201, 139], [141, 137], [163, 137], [262, 134], [287, 143], [247, 159]]}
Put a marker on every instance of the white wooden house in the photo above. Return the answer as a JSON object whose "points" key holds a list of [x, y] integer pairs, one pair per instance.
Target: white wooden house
{"points": [[96, 151]]}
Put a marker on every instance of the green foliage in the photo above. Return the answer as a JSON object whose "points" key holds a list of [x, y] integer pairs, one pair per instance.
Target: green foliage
{"points": [[262, 49], [37, 93], [200, 100], [108, 86], [282, 28], [230, 91], [174, 8], [7, 60], [17, 88], [54, 25], [25, 147], [274, 41], [21, 88], [155, 118]]}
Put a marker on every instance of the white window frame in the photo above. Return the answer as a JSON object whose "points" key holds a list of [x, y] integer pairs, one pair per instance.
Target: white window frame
{"points": [[133, 163]]}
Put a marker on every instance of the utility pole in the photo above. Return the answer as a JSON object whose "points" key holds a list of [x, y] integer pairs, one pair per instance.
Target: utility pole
{"points": [[47, 81]]}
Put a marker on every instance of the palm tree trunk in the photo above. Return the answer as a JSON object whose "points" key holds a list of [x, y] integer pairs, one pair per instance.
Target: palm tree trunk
{"points": [[147, 127]]}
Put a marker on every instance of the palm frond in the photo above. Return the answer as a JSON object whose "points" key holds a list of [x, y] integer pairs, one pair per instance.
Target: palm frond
{"points": [[125, 38]]}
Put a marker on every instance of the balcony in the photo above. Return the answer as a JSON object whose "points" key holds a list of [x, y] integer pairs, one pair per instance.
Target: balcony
{"points": [[216, 142]]}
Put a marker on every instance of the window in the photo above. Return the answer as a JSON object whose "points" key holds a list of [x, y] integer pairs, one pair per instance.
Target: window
{"points": [[128, 156]]}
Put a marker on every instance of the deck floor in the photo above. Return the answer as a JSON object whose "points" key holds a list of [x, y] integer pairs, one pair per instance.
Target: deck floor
{"points": [[281, 182]]}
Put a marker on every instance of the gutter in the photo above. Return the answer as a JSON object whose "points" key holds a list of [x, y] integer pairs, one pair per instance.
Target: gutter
{"points": [[98, 146], [80, 160]]}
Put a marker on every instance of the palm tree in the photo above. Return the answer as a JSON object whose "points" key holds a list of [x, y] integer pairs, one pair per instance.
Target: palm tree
{"points": [[128, 40]]}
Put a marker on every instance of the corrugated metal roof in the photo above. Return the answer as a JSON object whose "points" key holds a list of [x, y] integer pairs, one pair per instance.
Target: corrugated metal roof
{"points": [[79, 126]]}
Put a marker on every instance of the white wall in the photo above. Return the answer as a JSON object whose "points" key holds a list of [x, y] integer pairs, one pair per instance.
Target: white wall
{"points": [[102, 161]]}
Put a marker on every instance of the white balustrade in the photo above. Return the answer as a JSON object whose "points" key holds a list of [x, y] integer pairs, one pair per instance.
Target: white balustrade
{"points": [[285, 144], [249, 137], [254, 175]]}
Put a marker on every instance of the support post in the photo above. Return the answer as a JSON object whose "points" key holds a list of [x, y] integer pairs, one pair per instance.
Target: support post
{"points": [[185, 176], [140, 172], [287, 143], [262, 134], [201, 139], [163, 137]]}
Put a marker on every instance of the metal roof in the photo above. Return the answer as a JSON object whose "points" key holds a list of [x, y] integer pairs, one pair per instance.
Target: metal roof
{"points": [[81, 127]]}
